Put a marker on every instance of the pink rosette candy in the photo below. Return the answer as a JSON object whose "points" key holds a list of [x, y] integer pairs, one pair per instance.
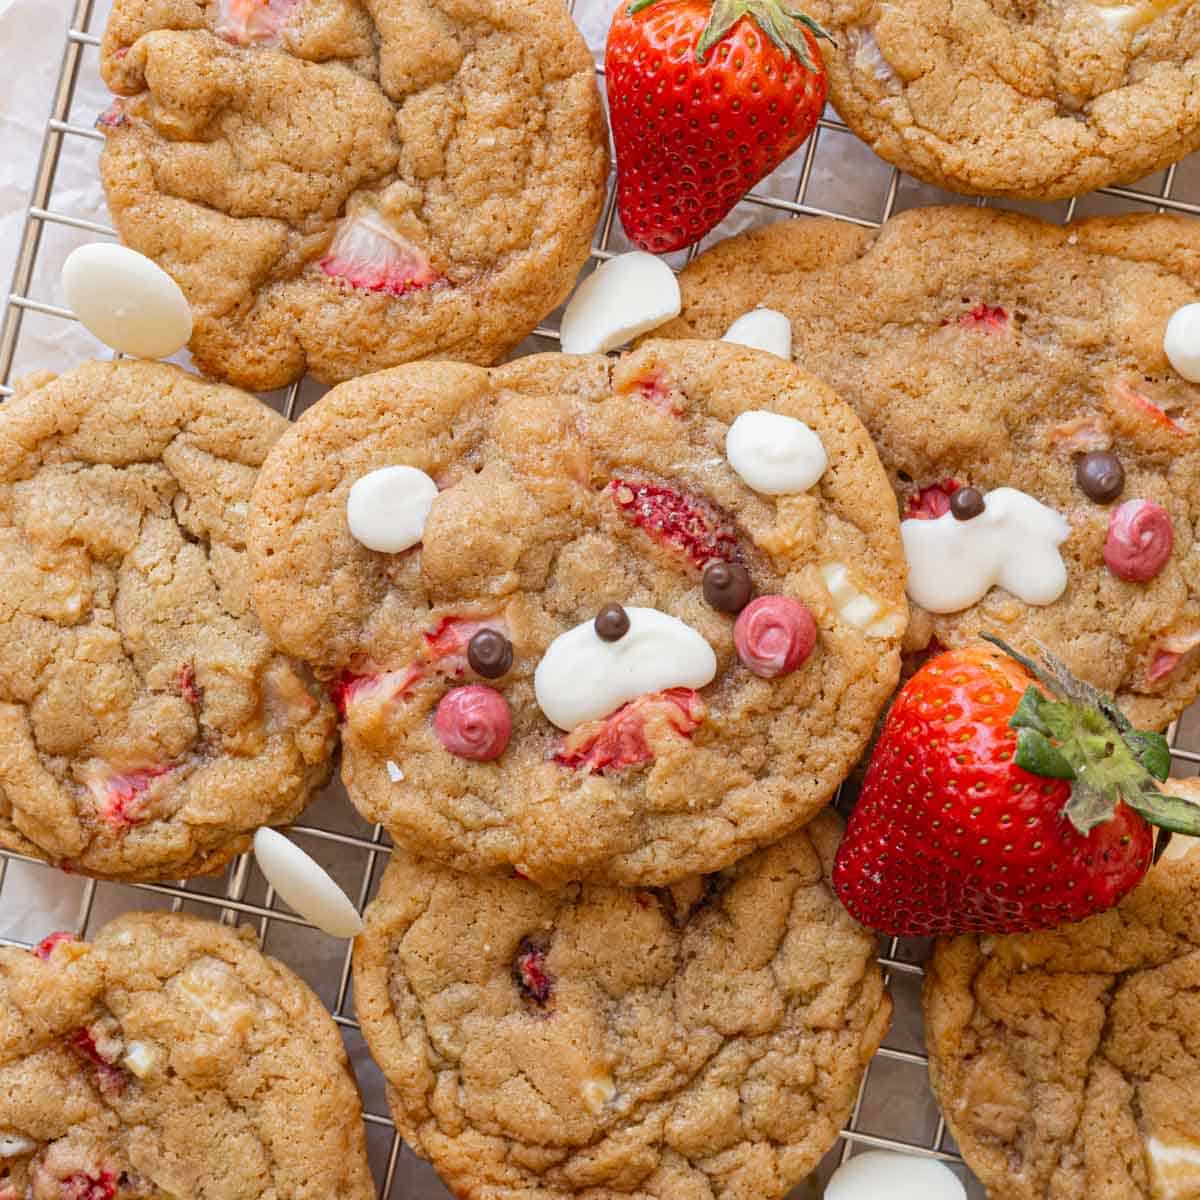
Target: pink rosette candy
{"points": [[774, 635], [1139, 542], [473, 722]]}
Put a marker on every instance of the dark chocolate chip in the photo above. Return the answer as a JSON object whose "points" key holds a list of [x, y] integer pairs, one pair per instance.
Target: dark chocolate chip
{"points": [[490, 654], [1100, 476], [612, 623], [966, 503], [727, 586]]}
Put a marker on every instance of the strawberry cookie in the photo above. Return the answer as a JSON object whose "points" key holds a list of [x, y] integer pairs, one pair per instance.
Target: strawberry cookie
{"points": [[1038, 101], [1066, 1061], [616, 619], [706, 1039], [344, 185], [1031, 391], [169, 1057], [147, 726]]}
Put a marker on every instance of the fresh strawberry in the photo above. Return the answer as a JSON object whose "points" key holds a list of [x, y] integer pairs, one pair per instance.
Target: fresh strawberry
{"points": [[689, 527], [1002, 797], [620, 740], [705, 100], [931, 501]]}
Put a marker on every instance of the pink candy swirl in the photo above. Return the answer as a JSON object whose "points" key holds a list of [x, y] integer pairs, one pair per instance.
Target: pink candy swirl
{"points": [[1139, 542], [774, 635], [473, 722]]}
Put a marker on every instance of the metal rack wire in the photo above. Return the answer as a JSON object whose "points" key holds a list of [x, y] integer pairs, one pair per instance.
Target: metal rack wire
{"points": [[836, 177]]}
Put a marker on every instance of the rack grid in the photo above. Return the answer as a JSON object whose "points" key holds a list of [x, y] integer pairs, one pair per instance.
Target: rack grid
{"points": [[832, 176]]}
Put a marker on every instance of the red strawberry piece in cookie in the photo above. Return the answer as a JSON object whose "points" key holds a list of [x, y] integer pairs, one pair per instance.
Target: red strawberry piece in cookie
{"points": [[252, 22], [628, 736], [660, 391], [473, 722], [774, 635], [530, 975], [687, 526], [113, 117], [99, 1185], [986, 318], [101, 1047], [185, 680], [1131, 402], [931, 501], [45, 948], [121, 797], [367, 254], [1140, 540], [1170, 652], [350, 690]]}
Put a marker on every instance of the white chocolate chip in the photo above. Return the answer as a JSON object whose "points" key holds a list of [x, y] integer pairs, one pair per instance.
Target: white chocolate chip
{"points": [[597, 1092], [393, 772], [773, 454], [762, 329], [856, 608], [217, 998], [387, 509], [621, 299], [1013, 543], [13, 1145], [582, 677], [882, 1173], [126, 300], [142, 1059], [1181, 342], [305, 885], [1174, 1169]]}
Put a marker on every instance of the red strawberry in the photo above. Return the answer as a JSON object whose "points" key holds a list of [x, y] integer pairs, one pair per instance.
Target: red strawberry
{"points": [[529, 971], [688, 526], [1002, 797], [619, 740], [931, 501], [705, 100], [45, 947]]}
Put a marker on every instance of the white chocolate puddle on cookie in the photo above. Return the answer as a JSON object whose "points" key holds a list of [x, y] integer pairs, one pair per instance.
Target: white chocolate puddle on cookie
{"points": [[856, 607], [1174, 1168], [762, 329], [582, 677], [1012, 544], [773, 454]]}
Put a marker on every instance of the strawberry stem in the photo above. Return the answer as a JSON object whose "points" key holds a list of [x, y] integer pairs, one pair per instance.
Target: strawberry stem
{"points": [[1078, 733]]}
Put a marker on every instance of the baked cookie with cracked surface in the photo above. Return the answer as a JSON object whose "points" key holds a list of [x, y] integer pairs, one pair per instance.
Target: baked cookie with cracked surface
{"points": [[343, 185], [147, 725], [170, 1058], [699, 1040], [1066, 1061], [1027, 363], [1039, 101], [578, 615]]}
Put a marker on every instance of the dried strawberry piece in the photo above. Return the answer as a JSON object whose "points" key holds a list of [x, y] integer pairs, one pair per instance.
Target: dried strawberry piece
{"points": [[988, 318], [369, 255], [658, 389], [185, 680], [89, 1186], [620, 739], [931, 502], [529, 971], [1139, 404], [120, 796], [1081, 435], [350, 689], [685, 524], [252, 22], [45, 947]]}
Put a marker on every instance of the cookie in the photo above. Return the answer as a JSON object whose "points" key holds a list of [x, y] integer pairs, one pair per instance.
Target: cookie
{"points": [[706, 1039], [496, 715], [147, 726], [1036, 101], [1066, 1061], [343, 185], [991, 351], [169, 1057]]}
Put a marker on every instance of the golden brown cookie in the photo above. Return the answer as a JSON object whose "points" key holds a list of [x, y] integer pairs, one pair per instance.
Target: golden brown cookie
{"points": [[706, 1039], [1066, 1061], [991, 350], [169, 1057], [343, 185], [147, 726], [994, 98], [567, 484]]}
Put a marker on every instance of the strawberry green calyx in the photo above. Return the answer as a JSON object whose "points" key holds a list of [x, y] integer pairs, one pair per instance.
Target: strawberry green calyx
{"points": [[784, 26], [1079, 734]]}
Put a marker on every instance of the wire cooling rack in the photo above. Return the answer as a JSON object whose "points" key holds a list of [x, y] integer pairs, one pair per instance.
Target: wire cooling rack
{"points": [[833, 175]]}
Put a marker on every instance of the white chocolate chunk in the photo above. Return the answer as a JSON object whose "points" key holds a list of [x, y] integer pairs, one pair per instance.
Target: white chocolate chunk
{"points": [[621, 299], [305, 885], [1174, 1168], [387, 509], [884, 1175], [142, 1059], [13, 1145], [773, 454], [1181, 342], [126, 300], [394, 773], [218, 998], [1013, 543], [856, 608], [1132, 17], [597, 1092], [762, 329], [582, 677]]}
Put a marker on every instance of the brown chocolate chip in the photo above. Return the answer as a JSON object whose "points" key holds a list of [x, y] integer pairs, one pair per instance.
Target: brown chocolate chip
{"points": [[727, 586], [612, 623], [966, 503], [1100, 476], [490, 654]]}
